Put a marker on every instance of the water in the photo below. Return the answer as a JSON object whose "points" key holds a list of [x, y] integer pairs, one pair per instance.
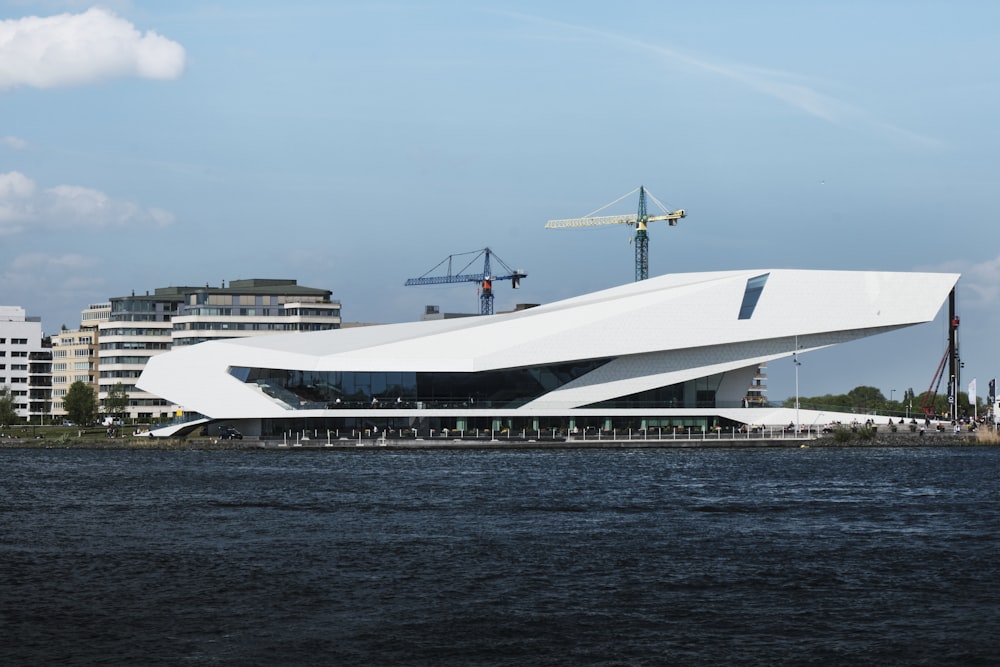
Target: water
{"points": [[576, 557]]}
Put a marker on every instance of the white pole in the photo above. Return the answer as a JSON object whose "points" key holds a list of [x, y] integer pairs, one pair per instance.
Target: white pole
{"points": [[795, 360]]}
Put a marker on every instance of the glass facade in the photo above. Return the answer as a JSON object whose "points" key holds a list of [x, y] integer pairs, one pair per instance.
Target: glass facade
{"points": [[500, 389], [507, 388], [698, 393]]}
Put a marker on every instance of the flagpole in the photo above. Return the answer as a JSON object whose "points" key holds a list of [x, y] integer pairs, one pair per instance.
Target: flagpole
{"points": [[972, 399]]}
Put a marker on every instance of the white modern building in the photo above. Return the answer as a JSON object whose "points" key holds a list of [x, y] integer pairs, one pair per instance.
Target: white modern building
{"points": [[20, 347], [675, 350]]}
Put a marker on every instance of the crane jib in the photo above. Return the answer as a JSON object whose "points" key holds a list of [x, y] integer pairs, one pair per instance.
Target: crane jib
{"points": [[596, 221]]}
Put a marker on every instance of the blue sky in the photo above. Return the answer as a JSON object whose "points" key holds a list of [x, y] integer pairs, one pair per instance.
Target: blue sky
{"points": [[354, 145]]}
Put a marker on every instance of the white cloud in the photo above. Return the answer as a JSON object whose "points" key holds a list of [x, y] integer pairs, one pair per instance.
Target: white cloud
{"points": [[23, 204], [792, 90], [14, 143], [75, 49]]}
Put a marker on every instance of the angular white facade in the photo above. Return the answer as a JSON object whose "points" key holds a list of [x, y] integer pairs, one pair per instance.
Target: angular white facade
{"points": [[683, 344]]}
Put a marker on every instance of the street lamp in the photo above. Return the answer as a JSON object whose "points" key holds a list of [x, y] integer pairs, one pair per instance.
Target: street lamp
{"points": [[952, 398], [891, 401], [795, 360]]}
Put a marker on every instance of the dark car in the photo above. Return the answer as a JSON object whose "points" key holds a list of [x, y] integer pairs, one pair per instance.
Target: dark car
{"points": [[227, 433]]}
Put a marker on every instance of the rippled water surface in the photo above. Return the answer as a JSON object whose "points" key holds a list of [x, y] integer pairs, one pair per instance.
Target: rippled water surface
{"points": [[573, 557]]}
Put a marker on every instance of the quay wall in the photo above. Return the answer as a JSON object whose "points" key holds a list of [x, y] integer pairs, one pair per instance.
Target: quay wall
{"points": [[789, 440]]}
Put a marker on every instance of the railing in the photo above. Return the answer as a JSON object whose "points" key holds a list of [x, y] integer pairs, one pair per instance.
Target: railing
{"points": [[695, 433], [376, 436]]}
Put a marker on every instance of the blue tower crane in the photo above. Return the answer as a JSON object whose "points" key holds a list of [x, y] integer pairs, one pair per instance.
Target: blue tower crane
{"points": [[485, 278]]}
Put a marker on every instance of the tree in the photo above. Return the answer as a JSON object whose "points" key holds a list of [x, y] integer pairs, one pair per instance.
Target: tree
{"points": [[865, 399], [80, 403], [8, 415], [116, 401]]}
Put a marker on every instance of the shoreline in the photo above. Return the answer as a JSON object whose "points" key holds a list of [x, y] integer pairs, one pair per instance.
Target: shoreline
{"points": [[932, 439]]}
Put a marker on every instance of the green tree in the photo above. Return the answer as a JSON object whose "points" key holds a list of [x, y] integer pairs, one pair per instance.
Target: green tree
{"points": [[116, 401], [866, 399], [8, 415], [80, 403]]}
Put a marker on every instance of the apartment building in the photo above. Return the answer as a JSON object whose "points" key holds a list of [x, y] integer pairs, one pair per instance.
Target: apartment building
{"points": [[252, 308], [74, 355], [140, 327], [22, 360]]}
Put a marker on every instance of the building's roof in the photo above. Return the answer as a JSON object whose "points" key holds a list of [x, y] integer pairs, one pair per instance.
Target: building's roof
{"points": [[263, 286], [657, 332]]}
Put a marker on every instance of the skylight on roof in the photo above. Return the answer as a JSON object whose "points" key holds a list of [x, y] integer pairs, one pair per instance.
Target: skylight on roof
{"points": [[755, 286]]}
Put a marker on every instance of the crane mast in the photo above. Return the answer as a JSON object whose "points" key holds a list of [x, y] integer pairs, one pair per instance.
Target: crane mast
{"points": [[954, 364], [641, 239]]}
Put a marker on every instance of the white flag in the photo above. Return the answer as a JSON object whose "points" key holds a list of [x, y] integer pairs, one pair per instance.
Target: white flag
{"points": [[972, 392]]}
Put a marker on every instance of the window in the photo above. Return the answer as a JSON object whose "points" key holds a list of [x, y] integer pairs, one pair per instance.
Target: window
{"points": [[754, 288], [19, 341]]}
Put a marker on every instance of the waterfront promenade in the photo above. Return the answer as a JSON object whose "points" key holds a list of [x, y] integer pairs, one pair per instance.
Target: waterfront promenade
{"points": [[763, 438]]}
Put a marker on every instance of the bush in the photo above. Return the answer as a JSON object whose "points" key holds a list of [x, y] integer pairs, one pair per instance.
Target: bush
{"points": [[841, 434], [866, 433]]}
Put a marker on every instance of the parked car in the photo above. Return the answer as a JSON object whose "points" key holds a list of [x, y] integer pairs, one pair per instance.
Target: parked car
{"points": [[229, 433]]}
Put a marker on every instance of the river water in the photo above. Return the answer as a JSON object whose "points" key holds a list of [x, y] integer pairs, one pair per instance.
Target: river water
{"points": [[818, 556]]}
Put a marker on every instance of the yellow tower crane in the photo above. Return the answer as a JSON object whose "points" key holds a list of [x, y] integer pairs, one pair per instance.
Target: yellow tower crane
{"points": [[639, 220]]}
